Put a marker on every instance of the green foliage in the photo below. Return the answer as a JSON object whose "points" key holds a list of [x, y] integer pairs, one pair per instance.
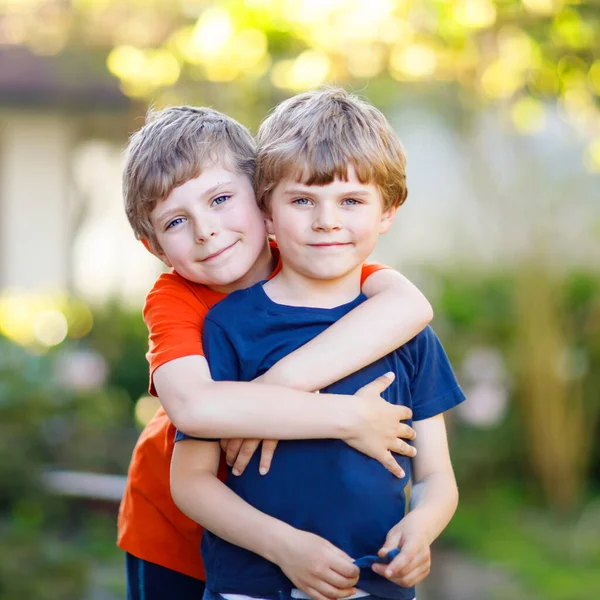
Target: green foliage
{"points": [[36, 559], [555, 558], [479, 309], [120, 336]]}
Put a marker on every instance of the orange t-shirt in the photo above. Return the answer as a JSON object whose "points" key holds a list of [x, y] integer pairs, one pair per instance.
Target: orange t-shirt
{"points": [[150, 526]]}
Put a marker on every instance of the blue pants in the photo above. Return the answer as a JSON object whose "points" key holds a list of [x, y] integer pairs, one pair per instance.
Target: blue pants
{"points": [[148, 581]]}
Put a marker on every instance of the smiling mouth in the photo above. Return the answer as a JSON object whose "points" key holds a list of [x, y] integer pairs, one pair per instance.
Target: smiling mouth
{"points": [[218, 253], [331, 245]]}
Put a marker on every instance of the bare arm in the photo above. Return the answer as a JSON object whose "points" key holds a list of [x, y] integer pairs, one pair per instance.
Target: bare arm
{"points": [[204, 408], [313, 564], [394, 313], [434, 499]]}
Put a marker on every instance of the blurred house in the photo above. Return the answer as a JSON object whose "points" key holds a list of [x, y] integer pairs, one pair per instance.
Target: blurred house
{"points": [[50, 109], [479, 194]]}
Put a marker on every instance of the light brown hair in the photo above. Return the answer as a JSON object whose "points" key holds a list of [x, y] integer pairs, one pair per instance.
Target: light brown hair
{"points": [[315, 136], [170, 149]]}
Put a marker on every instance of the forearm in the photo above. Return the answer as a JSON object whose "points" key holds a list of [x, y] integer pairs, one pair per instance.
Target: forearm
{"points": [[394, 313], [433, 503], [209, 502], [254, 410]]}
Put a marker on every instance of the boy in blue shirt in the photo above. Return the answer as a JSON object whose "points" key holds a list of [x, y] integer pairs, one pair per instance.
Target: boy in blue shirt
{"points": [[330, 177]]}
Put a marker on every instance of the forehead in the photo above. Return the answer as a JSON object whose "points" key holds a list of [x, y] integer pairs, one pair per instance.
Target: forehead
{"points": [[302, 180]]}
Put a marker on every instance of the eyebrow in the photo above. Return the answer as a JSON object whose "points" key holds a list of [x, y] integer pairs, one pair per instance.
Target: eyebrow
{"points": [[217, 186], [307, 190]]}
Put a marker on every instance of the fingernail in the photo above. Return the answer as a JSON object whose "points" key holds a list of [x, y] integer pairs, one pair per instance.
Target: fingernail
{"points": [[388, 573], [390, 375], [263, 470], [235, 471], [402, 474]]}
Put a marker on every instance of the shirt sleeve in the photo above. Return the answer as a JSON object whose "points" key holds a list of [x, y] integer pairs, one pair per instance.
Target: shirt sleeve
{"points": [[222, 357], [222, 360], [368, 269], [434, 388], [174, 316]]}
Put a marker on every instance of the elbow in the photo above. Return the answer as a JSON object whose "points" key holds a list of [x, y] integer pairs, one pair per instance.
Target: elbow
{"points": [[188, 414], [424, 308], [426, 312]]}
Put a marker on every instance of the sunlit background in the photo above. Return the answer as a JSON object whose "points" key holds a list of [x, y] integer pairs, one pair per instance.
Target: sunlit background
{"points": [[497, 104]]}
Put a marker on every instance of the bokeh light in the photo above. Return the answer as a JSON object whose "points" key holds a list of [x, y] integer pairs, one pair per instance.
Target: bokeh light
{"points": [[145, 409]]}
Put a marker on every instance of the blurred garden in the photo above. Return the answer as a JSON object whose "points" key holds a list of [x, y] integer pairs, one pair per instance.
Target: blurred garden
{"points": [[498, 104]]}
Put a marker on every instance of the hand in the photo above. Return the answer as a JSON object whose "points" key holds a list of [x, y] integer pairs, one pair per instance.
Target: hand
{"points": [[413, 563], [239, 452], [317, 567], [378, 432]]}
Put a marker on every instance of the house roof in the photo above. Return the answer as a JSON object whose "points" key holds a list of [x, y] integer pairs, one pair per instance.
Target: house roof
{"points": [[69, 80]]}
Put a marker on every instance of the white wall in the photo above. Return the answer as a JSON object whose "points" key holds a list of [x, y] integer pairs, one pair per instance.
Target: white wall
{"points": [[34, 191]]}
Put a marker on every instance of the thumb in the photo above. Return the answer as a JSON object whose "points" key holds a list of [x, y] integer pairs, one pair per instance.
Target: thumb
{"points": [[393, 541], [378, 385]]}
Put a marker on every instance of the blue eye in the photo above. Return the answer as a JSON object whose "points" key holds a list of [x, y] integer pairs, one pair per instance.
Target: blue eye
{"points": [[351, 201], [302, 201], [174, 222], [221, 199]]}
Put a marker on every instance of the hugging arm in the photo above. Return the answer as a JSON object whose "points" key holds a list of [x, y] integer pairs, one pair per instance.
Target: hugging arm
{"points": [[312, 563], [394, 313]]}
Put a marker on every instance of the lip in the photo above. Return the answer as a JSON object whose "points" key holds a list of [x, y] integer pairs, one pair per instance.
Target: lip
{"points": [[331, 245], [219, 252]]}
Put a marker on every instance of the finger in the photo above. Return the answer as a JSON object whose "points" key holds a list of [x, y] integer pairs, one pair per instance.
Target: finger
{"points": [[315, 594], [415, 577], [224, 443], [406, 432], [393, 540], [400, 447], [399, 565], [330, 591], [344, 565], [391, 464], [244, 456], [341, 582], [377, 385], [266, 455], [403, 412], [233, 448]]}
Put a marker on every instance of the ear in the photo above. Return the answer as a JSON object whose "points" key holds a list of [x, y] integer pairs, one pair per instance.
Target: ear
{"points": [[158, 252], [387, 218], [269, 224]]}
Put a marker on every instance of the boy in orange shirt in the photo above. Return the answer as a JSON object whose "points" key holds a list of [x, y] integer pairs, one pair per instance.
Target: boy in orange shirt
{"points": [[188, 187]]}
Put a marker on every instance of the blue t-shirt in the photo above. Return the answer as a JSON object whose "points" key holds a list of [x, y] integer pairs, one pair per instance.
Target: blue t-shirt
{"points": [[321, 486]]}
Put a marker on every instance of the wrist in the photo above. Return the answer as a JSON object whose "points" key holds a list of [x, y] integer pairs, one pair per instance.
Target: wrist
{"points": [[277, 539], [349, 418]]}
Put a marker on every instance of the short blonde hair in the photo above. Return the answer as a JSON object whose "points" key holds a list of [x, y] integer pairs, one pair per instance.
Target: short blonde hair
{"points": [[316, 135], [170, 149]]}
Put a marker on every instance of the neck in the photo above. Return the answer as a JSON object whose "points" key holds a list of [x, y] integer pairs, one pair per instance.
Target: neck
{"points": [[295, 289], [260, 270]]}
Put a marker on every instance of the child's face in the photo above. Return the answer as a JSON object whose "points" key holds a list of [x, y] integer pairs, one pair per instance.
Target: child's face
{"points": [[325, 232], [210, 229]]}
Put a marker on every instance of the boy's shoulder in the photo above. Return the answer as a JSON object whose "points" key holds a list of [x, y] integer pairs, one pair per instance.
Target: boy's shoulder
{"points": [[171, 286], [234, 306]]}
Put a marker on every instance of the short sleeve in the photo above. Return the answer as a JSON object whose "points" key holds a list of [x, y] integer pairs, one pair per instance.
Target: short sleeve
{"points": [[222, 358], [174, 316], [368, 269], [434, 388]]}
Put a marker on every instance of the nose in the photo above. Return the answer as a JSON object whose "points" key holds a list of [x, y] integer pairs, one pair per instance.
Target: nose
{"points": [[204, 229], [326, 218]]}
